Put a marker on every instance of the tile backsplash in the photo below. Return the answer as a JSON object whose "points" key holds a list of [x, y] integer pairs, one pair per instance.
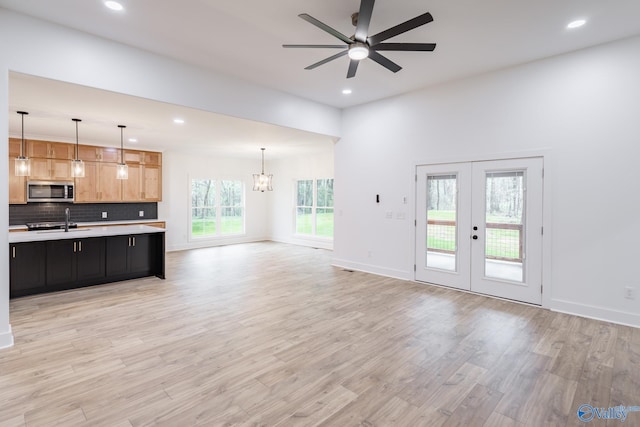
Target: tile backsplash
{"points": [[81, 212]]}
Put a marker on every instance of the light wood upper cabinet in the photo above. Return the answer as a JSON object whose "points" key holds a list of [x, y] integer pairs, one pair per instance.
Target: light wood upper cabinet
{"points": [[143, 157], [50, 169], [99, 184], [50, 150], [51, 161], [144, 184], [14, 147], [90, 153]]}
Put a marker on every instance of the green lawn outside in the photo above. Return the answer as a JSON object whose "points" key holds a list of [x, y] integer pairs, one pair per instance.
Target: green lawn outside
{"points": [[324, 224], [500, 243], [203, 227]]}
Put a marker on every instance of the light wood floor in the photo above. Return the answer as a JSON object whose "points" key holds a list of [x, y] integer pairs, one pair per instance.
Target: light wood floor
{"points": [[271, 334]]}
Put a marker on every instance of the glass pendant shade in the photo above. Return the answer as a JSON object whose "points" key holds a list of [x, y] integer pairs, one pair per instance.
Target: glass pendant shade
{"points": [[77, 165], [262, 181], [77, 168], [122, 171], [22, 164]]}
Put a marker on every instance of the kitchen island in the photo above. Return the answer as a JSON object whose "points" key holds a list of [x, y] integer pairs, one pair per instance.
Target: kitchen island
{"points": [[54, 260]]}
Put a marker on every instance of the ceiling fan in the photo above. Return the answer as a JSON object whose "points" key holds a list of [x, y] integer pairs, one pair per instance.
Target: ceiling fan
{"points": [[361, 45]]}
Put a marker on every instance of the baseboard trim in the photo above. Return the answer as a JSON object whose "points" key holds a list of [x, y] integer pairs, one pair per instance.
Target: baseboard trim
{"points": [[6, 339], [597, 313], [368, 268], [310, 243]]}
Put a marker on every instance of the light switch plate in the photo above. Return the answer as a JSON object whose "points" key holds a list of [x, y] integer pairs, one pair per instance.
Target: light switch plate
{"points": [[104, 215], [141, 213]]}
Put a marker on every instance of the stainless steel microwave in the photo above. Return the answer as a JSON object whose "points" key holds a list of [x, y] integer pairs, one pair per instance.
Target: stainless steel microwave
{"points": [[50, 191]]}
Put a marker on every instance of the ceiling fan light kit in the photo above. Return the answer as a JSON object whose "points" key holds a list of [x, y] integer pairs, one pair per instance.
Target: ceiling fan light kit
{"points": [[361, 45]]}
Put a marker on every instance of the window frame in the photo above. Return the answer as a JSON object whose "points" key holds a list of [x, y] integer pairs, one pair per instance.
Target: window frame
{"points": [[219, 234], [314, 209]]}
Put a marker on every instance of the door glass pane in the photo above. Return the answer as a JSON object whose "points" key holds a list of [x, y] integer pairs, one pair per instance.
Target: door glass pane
{"points": [[442, 201], [504, 225]]}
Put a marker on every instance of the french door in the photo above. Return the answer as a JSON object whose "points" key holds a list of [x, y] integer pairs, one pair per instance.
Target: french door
{"points": [[479, 227]]}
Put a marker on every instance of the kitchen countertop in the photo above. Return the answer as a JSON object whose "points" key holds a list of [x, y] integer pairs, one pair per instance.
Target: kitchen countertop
{"points": [[97, 223], [81, 233]]}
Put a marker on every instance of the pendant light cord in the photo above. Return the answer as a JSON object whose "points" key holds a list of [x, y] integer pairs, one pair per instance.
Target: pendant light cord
{"points": [[121, 143], [22, 113]]}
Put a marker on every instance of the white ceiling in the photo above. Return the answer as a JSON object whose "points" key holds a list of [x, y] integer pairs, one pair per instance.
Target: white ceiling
{"points": [[244, 38]]}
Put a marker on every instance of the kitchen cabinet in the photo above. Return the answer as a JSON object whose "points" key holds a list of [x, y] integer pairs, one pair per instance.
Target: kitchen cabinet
{"points": [[50, 169], [51, 161], [68, 261], [143, 185], [127, 255], [90, 153], [27, 266], [75, 260], [17, 184], [99, 184], [151, 158], [50, 150]]}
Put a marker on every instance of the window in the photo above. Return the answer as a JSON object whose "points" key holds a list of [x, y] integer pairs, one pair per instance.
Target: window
{"points": [[314, 207], [217, 207]]}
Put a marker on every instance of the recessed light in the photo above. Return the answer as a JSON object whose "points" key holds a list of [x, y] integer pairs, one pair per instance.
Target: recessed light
{"points": [[133, 140], [346, 91], [576, 24], [113, 5], [178, 121]]}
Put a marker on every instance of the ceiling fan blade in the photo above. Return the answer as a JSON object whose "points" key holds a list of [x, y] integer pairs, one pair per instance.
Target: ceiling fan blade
{"points": [[408, 47], [324, 61], [353, 67], [315, 46], [385, 62], [400, 28], [364, 19], [310, 19]]}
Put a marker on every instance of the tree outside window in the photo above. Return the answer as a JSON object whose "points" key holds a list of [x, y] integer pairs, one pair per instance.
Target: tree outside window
{"points": [[314, 207]]}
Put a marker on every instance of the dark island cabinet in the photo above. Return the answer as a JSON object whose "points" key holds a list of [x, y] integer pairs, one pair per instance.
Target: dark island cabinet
{"points": [[27, 266], [131, 255], [77, 260], [54, 265]]}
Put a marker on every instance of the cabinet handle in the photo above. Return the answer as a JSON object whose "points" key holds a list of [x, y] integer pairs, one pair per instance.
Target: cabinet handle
{"points": [[79, 246], [134, 241], [74, 246], [129, 243], [13, 251]]}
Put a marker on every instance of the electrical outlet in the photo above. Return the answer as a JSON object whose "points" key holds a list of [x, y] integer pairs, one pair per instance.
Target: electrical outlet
{"points": [[141, 213], [104, 215], [388, 215], [629, 292]]}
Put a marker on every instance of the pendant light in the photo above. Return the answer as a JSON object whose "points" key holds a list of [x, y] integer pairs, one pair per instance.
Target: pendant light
{"points": [[262, 182], [22, 163], [123, 170], [77, 165]]}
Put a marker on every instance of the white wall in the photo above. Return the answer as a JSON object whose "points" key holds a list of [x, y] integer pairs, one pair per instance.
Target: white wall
{"points": [[42, 49], [582, 109], [179, 168], [286, 172]]}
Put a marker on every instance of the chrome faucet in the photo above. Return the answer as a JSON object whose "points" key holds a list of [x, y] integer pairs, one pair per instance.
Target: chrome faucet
{"points": [[67, 215]]}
